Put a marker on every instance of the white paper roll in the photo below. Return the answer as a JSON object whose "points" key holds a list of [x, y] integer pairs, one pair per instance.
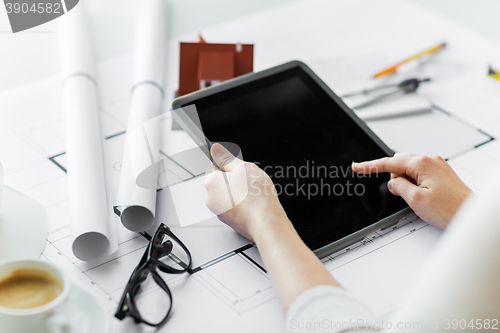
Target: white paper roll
{"points": [[75, 44], [91, 211], [137, 202], [149, 43], [137, 197]]}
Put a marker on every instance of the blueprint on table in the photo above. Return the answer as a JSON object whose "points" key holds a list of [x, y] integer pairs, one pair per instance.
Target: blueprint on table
{"points": [[229, 289]]}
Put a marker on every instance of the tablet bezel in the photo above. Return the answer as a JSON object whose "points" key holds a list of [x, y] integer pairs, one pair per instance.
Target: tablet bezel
{"points": [[251, 77]]}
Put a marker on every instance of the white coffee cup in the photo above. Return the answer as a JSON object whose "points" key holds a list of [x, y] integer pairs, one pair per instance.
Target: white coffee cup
{"points": [[46, 318]]}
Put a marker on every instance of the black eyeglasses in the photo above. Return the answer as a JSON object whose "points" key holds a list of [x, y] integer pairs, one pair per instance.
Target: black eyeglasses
{"points": [[166, 253]]}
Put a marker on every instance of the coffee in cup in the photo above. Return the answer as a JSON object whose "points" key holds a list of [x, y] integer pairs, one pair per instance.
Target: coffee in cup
{"points": [[28, 288], [33, 297]]}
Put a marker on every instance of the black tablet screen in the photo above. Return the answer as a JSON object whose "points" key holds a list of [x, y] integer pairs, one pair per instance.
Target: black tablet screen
{"points": [[296, 132]]}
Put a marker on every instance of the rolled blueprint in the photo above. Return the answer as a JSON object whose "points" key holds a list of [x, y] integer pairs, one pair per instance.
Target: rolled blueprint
{"points": [[91, 210], [137, 193]]}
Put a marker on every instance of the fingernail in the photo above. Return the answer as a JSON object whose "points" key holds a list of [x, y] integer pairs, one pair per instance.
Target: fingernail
{"points": [[389, 184], [218, 150]]}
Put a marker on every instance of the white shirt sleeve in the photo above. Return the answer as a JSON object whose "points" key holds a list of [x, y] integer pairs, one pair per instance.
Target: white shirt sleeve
{"points": [[458, 287], [329, 309]]}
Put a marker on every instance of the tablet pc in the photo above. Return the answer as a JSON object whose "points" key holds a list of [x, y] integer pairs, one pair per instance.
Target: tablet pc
{"points": [[287, 121]]}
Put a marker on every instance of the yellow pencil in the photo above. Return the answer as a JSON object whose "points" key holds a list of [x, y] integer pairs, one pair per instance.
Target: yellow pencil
{"points": [[392, 70], [493, 73]]}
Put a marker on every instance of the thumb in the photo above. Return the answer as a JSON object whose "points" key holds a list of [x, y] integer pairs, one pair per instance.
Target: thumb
{"points": [[223, 158], [402, 187]]}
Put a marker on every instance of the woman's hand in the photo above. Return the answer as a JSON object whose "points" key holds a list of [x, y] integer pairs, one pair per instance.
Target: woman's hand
{"points": [[427, 183], [256, 213], [254, 203]]}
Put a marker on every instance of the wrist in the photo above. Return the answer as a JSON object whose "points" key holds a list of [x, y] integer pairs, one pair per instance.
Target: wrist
{"points": [[270, 220], [461, 198]]}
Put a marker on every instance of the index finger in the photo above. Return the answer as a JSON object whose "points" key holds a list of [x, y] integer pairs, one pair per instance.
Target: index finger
{"points": [[397, 164]]}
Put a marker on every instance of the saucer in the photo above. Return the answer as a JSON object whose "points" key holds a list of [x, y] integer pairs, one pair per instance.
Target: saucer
{"points": [[23, 226], [88, 314]]}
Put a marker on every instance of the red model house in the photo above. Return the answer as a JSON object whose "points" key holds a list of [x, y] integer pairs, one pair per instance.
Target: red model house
{"points": [[203, 64]]}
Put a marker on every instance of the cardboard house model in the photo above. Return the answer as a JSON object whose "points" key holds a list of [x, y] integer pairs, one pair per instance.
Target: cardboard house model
{"points": [[203, 64]]}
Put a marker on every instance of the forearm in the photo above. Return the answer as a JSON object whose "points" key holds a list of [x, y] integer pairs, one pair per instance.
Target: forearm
{"points": [[293, 267]]}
